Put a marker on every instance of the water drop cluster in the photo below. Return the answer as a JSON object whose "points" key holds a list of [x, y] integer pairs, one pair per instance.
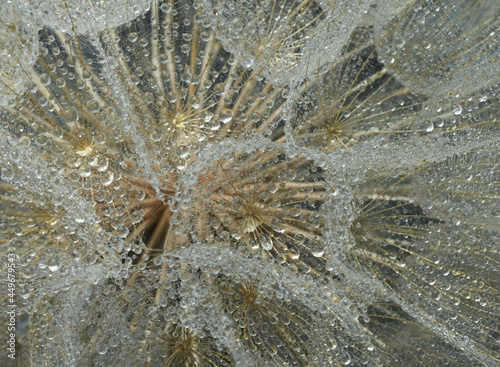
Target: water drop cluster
{"points": [[250, 183]]}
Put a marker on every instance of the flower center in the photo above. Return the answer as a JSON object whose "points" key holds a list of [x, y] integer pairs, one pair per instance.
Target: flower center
{"points": [[179, 121], [250, 221], [85, 151]]}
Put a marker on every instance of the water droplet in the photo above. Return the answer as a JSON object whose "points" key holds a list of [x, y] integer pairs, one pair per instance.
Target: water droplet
{"points": [[237, 24], [107, 178], [269, 53], [41, 140], [93, 106], [246, 61], [102, 163], [195, 101], [132, 37], [272, 188], [182, 151], [345, 358], [317, 250], [266, 242], [156, 135], [60, 82], [226, 115], [278, 225], [7, 174], [140, 195], [166, 7], [70, 115], [45, 79], [181, 164], [122, 231], [102, 348], [254, 245]]}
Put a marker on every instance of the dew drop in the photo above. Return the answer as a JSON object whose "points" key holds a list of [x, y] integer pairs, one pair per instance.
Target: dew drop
{"points": [[266, 242], [166, 7], [345, 358], [122, 231], [226, 115], [278, 225], [317, 250], [269, 53], [102, 348], [45, 79], [246, 62], [93, 106], [107, 178], [254, 245], [272, 188], [299, 237], [182, 151], [70, 115], [156, 135], [7, 174], [132, 37], [140, 195]]}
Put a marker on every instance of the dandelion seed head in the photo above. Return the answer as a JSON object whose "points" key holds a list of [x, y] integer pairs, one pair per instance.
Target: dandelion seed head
{"points": [[250, 183]]}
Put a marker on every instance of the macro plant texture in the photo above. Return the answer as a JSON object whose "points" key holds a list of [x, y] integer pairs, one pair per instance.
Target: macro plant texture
{"points": [[250, 182]]}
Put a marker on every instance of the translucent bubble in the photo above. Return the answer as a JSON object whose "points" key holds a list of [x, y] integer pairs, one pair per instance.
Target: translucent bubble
{"points": [[60, 82], [272, 188], [226, 115], [237, 24], [93, 106], [102, 348], [317, 250], [7, 174], [53, 266], [299, 238], [99, 196], [266, 242], [102, 163], [140, 195], [457, 110], [41, 140], [345, 358], [107, 178], [156, 135], [182, 151], [293, 254], [254, 245], [195, 101], [181, 164], [269, 53], [45, 79], [208, 116], [132, 37], [213, 125], [17, 77], [246, 61], [70, 115], [32, 87], [166, 7], [122, 231], [278, 225]]}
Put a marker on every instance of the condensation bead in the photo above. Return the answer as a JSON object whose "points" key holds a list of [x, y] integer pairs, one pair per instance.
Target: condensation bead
{"points": [[140, 195], [278, 225]]}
